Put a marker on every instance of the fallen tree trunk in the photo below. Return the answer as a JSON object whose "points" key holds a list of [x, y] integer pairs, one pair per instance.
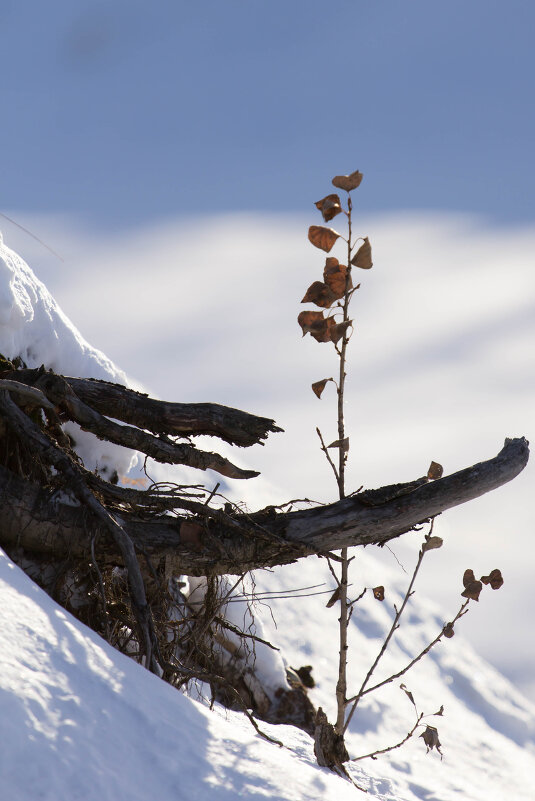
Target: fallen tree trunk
{"points": [[218, 542]]}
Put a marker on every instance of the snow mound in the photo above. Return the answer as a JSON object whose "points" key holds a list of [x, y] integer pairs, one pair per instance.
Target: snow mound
{"points": [[80, 721], [33, 326]]}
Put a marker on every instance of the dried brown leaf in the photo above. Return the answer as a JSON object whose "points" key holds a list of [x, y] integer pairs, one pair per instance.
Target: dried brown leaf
{"points": [[435, 471], [323, 331], [363, 256], [329, 206], [320, 294], [472, 590], [322, 238], [440, 711], [468, 576], [319, 386], [335, 276], [334, 597], [408, 694], [379, 593], [347, 182], [305, 674], [338, 331], [495, 579], [340, 443], [448, 631], [430, 736], [431, 543], [310, 321]]}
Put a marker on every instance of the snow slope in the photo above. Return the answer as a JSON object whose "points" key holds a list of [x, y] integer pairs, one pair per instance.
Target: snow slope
{"points": [[33, 326], [81, 721]]}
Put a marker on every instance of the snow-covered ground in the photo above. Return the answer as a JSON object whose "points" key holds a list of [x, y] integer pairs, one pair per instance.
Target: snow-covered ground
{"points": [[81, 721]]}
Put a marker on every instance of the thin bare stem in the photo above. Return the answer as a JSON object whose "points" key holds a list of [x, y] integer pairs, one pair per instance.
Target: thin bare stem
{"points": [[438, 638], [345, 611], [375, 754], [388, 637]]}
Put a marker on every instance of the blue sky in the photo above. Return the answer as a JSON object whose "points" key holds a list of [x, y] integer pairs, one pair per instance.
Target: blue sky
{"points": [[123, 113]]}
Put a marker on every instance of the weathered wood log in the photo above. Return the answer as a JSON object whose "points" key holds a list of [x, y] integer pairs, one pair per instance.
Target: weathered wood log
{"points": [[58, 390], [161, 417], [234, 543]]}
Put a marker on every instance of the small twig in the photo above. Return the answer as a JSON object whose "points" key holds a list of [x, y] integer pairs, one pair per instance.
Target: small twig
{"points": [[274, 597], [425, 651], [333, 571], [211, 614], [235, 630], [327, 455], [388, 637], [266, 594], [374, 754], [358, 598], [209, 498]]}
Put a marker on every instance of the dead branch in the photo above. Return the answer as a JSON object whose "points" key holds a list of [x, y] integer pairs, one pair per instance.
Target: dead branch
{"points": [[40, 521], [160, 417]]}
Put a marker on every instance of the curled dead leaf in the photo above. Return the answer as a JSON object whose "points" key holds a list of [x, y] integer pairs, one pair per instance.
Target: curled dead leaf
{"points": [[435, 471], [472, 587], [363, 256], [305, 674], [408, 694], [468, 576], [323, 332], [379, 593], [319, 386], [340, 443], [347, 182], [310, 321], [431, 543], [495, 579], [472, 590], [336, 276], [430, 737], [440, 711], [320, 294], [338, 331], [334, 598], [329, 206], [322, 238], [315, 324], [448, 631]]}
